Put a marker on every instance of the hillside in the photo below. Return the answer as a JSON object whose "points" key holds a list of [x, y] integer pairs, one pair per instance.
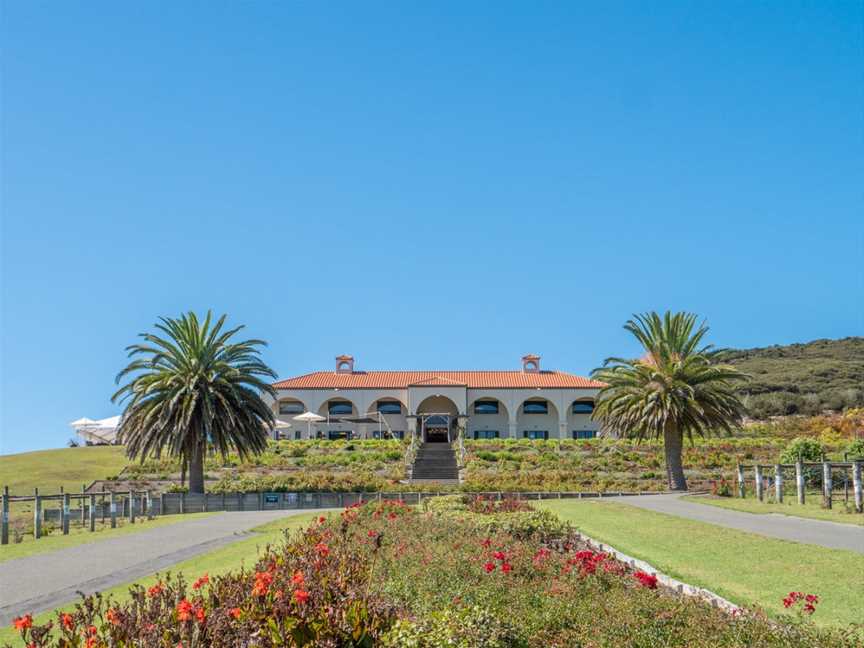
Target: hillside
{"points": [[802, 378], [67, 467]]}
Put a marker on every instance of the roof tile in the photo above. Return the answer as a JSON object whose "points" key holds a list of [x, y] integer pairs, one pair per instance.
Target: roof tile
{"points": [[469, 379]]}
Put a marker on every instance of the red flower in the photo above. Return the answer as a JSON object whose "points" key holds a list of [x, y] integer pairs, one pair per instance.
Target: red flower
{"points": [[185, 610], [200, 614], [301, 596], [112, 616], [23, 622], [200, 582], [485, 544], [92, 631], [322, 549], [489, 567], [155, 590], [234, 612], [506, 567], [499, 555], [372, 533], [322, 520], [67, 620], [647, 580], [298, 578]]}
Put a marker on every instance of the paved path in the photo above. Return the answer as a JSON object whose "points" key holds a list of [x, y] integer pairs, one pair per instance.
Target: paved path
{"points": [[816, 532], [46, 581]]}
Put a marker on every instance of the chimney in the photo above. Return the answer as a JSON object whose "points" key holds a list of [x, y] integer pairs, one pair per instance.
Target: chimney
{"points": [[531, 363], [344, 364]]}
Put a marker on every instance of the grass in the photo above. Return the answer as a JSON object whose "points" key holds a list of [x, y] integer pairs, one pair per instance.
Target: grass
{"points": [[227, 558], [811, 509], [79, 536], [745, 568], [48, 470]]}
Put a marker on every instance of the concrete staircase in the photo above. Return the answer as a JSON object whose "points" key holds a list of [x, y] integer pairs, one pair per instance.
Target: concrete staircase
{"points": [[435, 463]]}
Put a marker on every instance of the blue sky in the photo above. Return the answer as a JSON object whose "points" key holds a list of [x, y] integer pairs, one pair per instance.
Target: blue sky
{"points": [[423, 185]]}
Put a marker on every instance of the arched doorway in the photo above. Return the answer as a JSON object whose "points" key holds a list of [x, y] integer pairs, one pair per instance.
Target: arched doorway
{"points": [[437, 417]]}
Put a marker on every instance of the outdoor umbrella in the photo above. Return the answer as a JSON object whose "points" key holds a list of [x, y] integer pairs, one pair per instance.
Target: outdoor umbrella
{"points": [[280, 425], [309, 418]]}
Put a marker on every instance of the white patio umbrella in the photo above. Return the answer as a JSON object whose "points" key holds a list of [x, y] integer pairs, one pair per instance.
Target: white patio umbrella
{"points": [[309, 418], [279, 424]]}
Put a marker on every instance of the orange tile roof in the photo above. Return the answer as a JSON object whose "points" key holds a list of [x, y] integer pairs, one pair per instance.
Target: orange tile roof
{"points": [[469, 379]]}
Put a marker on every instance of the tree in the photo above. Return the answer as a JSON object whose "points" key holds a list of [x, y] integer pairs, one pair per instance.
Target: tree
{"points": [[678, 387], [194, 389]]}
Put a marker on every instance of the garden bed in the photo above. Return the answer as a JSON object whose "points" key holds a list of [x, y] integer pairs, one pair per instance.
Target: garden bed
{"points": [[460, 573]]}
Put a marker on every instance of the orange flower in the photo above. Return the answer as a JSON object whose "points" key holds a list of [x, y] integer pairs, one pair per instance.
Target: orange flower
{"points": [[67, 620], [112, 616], [184, 610], [322, 549], [155, 590], [298, 578], [201, 582], [23, 622], [234, 612], [262, 583], [301, 596]]}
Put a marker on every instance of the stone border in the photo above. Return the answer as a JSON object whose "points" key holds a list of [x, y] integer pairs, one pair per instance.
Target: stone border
{"points": [[684, 589]]}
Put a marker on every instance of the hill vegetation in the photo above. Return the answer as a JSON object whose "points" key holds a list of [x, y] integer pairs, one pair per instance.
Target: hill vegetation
{"points": [[802, 378]]}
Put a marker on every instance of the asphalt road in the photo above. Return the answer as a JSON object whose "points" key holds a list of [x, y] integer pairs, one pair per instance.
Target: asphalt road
{"points": [[816, 532], [46, 581]]}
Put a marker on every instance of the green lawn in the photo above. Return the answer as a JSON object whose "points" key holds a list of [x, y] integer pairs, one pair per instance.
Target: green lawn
{"points": [[227, 558], [744, 568], [77, 535], [48, 470], [812, 508]]}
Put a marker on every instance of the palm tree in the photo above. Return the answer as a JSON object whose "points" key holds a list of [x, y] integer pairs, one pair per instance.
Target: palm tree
{"points": [[194, 389], [677, 387]]}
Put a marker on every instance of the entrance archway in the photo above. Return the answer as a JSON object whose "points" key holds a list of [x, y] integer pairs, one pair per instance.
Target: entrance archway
{"points": [[437, 417]]}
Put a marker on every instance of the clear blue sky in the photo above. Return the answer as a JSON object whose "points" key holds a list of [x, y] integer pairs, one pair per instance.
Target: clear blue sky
{"points": [[423, 185]]}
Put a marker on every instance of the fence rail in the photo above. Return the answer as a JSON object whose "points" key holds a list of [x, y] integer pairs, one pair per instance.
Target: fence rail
{"points": [[762, 480], [111, 506]]}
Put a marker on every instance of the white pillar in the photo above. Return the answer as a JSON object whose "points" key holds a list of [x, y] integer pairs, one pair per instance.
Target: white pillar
{"points": [[512, 428], [562, 428]]}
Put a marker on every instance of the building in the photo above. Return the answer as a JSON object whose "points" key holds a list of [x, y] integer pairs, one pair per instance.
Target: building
{"points": [[531, 403]]}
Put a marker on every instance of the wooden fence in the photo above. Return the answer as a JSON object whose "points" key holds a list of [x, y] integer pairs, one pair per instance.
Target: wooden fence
{"points": [[762, 481], [130, 505]]}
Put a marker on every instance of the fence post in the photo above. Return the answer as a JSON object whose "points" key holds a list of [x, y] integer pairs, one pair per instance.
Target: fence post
{"points": [[148, 498], [162, 503], [131, 507], [64, 512], [182, 501], [799, 481], [826, 483], [740, 481], [260, 501], [758, 470], [857, 487], [92, 512], [778, 483], [83, 507], [4, 522], [112, 506], [37, 514]]}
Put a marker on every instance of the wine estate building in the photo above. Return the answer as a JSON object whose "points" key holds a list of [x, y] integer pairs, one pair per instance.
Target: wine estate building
{"points": [[530, 403]]}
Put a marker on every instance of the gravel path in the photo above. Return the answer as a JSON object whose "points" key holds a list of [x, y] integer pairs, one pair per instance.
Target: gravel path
{"points": [[46, 581], [816, 532]]}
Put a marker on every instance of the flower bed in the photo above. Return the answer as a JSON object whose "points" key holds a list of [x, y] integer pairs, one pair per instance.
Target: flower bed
{"points": [[385, 574]]}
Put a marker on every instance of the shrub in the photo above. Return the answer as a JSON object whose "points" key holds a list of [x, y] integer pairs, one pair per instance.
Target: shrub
{"points": [[855, 449], [806, 449]]}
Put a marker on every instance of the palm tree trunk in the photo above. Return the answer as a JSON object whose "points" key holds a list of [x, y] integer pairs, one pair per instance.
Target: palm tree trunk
{"points": [[196, 470], [672, 443]]}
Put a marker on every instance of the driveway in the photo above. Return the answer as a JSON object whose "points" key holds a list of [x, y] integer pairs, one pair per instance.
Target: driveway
{"points": [[46, 581], [816, 532]]}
